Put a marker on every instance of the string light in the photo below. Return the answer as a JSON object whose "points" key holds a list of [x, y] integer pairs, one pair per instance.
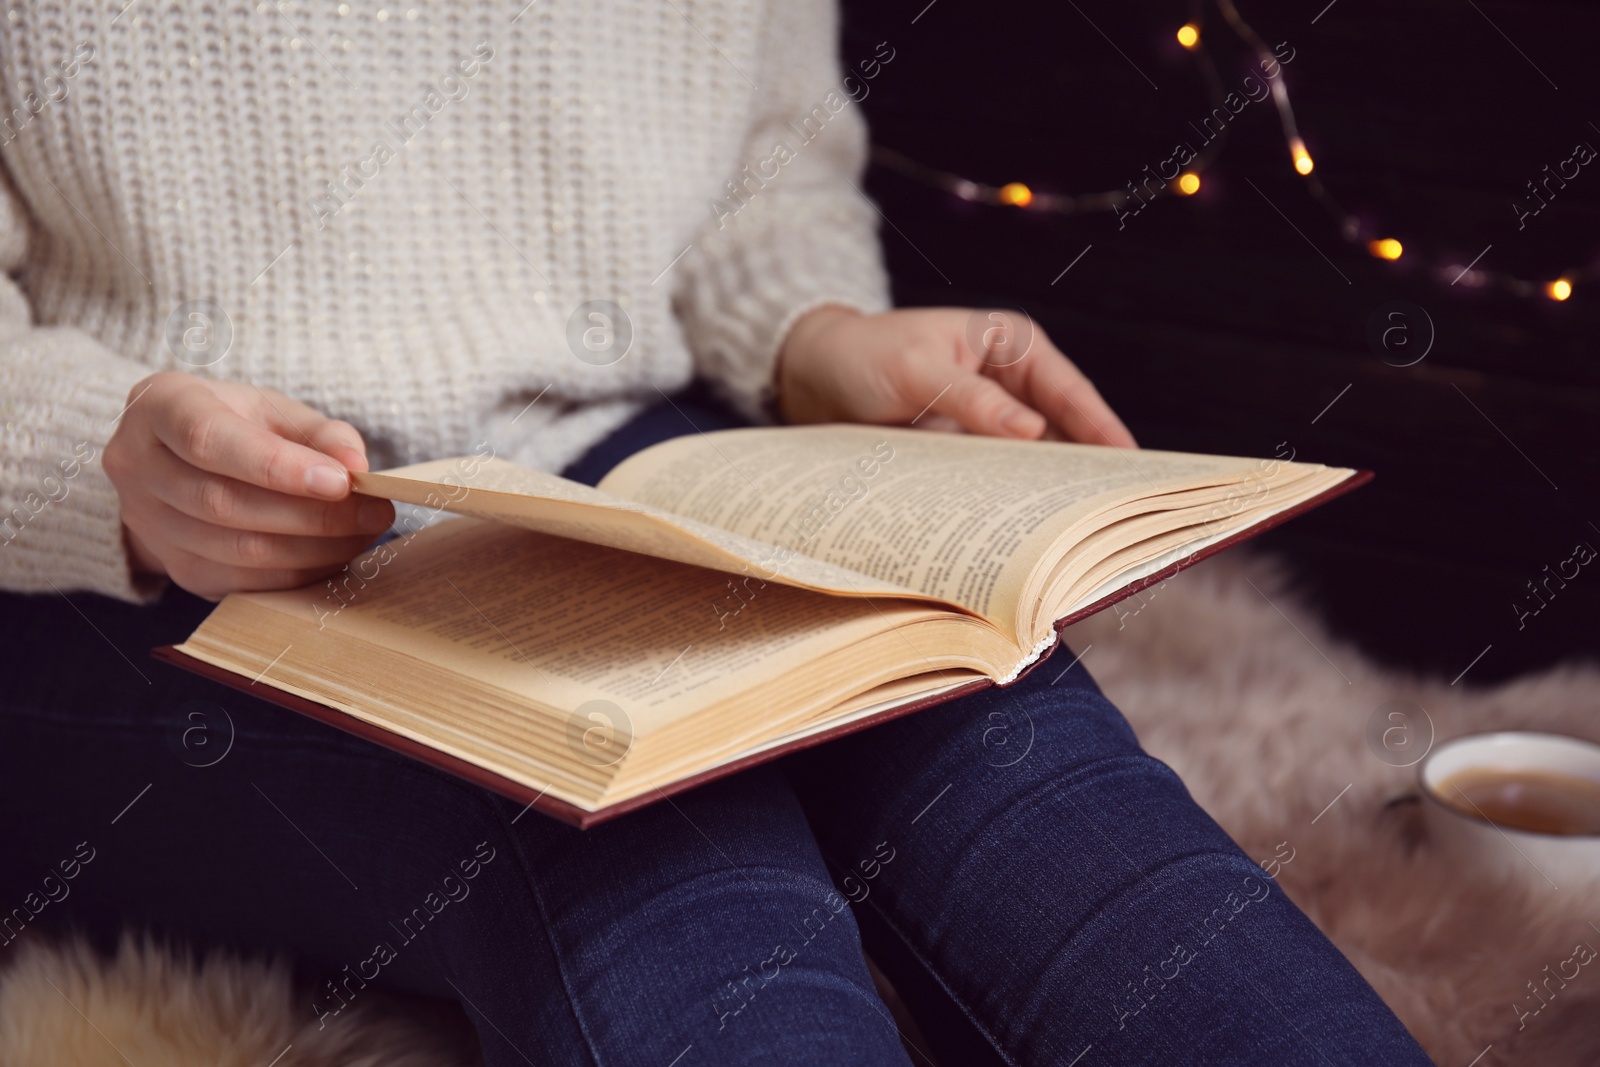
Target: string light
{"points": [[1302, 158], [1386, 248], [1016, 194], [1448, 272]]}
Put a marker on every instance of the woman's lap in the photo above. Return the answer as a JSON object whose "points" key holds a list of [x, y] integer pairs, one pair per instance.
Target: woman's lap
{"points": [[267, 832], [1031, 872]]}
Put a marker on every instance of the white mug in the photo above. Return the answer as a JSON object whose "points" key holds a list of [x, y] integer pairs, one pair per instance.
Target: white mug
{"points": [[1547, 859]]}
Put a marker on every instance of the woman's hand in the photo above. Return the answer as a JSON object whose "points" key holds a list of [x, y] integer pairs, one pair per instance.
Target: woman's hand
{"points": [[228, 487], [1006, 379]]}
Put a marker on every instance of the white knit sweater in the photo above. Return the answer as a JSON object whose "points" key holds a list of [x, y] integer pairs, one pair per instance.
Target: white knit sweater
{"points": [[391, 213]]}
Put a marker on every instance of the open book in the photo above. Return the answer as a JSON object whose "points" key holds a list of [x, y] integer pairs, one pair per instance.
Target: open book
{"points": [[722, 598]]}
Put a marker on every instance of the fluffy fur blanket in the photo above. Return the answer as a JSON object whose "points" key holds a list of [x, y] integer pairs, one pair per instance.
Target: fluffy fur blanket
{"points": [[155, 1006], [1228, 678]]}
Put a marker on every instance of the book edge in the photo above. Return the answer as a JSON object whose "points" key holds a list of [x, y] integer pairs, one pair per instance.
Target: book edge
{"points": [[571, 814], [1354, 481]]}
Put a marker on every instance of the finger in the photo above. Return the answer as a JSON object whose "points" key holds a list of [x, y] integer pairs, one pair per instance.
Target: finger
{"points": [[982, 405], [238, 505], [341, 441], [250, 549], [1004, 342], [206, 433], [302, 422], [213, 581], [1054, 385]]}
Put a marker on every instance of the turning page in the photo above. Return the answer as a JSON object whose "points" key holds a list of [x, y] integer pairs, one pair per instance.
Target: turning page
{"points": [[490, 488]]}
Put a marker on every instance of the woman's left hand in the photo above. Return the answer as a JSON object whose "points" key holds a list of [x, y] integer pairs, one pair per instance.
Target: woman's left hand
{"points": [[991, 372]]}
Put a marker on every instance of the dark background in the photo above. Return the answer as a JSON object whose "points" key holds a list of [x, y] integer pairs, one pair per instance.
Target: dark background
{"points": [[1211, 325]]}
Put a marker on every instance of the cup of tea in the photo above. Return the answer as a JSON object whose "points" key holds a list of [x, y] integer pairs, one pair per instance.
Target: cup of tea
{"points": [[1526, 804]]}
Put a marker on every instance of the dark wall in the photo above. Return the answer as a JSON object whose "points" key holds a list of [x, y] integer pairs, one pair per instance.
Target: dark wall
{"points": [[1226, 322]]}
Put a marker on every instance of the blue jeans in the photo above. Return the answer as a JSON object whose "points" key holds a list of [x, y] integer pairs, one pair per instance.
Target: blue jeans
{"points": [[1038, 889]]}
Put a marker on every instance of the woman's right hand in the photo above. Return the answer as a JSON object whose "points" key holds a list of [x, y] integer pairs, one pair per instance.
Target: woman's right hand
{"points": [[227, 487]]}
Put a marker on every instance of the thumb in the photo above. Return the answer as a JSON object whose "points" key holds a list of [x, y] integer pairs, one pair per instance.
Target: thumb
{"points": [[982, 406]]}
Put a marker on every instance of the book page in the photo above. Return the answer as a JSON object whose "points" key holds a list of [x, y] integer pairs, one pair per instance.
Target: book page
{"points": [[957, 517], [562, 622], [491, 488]]}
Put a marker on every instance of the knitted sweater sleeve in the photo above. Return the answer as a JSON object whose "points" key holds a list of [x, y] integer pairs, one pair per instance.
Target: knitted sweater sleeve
{"points": [[792, 231], [60, 394]]}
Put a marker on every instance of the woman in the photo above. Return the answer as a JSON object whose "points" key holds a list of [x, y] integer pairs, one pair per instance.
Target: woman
{"points": [[257, 247]]}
